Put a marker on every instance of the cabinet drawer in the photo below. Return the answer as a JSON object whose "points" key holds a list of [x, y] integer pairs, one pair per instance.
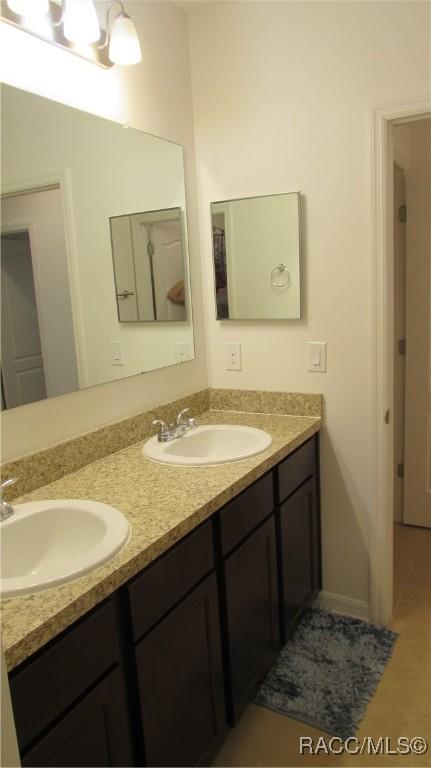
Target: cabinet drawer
{"points": [[244, 513], [166, 582], [294, 470], [48, 684]]}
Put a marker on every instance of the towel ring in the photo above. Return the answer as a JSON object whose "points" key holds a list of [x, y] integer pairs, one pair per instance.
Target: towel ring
{"points": [[280, 283]]}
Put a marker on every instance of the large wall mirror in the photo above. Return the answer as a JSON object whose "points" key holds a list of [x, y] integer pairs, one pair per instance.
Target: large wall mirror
{"points": [[256, 250], [94, 267]]}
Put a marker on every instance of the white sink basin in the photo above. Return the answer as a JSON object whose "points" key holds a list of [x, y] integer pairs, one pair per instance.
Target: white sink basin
{"points": [[209, 444], [45, 543]]}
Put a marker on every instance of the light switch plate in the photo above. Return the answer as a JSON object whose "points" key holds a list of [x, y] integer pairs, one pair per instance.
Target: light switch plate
{"points": [[182, 352], [317, 356], [233, 357], [117, 357]]}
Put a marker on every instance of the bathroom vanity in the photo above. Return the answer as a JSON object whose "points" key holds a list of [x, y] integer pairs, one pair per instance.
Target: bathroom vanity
{"points": [[159, 670]]}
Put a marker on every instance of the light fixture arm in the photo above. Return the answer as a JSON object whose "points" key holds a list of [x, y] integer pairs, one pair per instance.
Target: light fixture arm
{"points": [[108, 24], [60, 19]]}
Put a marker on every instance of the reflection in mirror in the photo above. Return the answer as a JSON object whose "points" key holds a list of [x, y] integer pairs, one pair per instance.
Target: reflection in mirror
{"points": [[148, 256], [256, 250], [69, 181]]}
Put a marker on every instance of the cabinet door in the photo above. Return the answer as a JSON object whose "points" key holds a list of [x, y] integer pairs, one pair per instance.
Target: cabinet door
{"points": [[251, 611], [50, 683], [300, 550], [180, 681], [94, 733]]}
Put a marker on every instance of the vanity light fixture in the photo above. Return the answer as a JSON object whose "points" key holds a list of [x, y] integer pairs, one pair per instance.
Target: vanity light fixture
{"points": [[73, 24], [121, 37], [29, 7], [80, 23]]}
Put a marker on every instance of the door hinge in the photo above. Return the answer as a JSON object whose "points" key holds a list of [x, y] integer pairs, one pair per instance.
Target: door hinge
{"points": [[402, 343], [402, 213], [387, 416], [150, 248], [400, 470]]}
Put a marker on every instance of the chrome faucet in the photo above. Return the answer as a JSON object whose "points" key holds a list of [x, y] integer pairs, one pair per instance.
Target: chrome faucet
{"points": [[186, 424], [168, 432], [6, 509]]}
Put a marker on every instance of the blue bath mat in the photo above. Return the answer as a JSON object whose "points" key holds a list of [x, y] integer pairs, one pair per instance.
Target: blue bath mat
{"points": [[327, 673]]}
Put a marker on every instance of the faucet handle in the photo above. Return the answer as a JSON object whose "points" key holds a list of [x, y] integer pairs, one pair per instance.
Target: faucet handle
{"points": [[163, 426], [180, 416], [6, 484]]}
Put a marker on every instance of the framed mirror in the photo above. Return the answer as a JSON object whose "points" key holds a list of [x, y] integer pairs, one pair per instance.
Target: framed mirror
{"points": [[88, 205], [148, 252], [256, 255]]}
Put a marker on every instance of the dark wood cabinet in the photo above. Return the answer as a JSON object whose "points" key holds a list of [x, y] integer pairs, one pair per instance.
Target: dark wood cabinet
{"points": [[95, 732], [298, 467], [180, 680], [155, 673], [50, 682], [165, 582], [250, 597], [246, 512], [299, 549]]}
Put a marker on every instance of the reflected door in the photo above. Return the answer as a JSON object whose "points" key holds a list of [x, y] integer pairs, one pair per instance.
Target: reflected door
{"points": [[149, 266], [23, 376], [40, 214], [124, 265], [159, 265]]}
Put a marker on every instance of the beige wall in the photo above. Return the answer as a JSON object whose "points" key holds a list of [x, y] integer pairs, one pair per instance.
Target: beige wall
{"points": [[156, 97], [283, 98]]}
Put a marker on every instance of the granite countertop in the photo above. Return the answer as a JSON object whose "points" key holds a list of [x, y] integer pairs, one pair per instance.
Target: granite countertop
{"points": [[162, 504]]}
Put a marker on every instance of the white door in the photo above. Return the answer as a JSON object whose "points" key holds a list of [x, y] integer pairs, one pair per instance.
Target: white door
{"points": [[41, 213], [159, 265], [168, 269], [144, 277], [22, 362], [399, 338], [124, 267], [417, 481]]}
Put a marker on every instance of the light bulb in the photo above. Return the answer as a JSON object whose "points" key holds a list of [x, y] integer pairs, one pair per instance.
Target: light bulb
{"points": [[80, 23], [124, 47], [29, 7]]}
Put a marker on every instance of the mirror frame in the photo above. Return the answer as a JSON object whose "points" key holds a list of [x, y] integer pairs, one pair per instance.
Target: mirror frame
{"points": [[60, 178], [300, 255]]}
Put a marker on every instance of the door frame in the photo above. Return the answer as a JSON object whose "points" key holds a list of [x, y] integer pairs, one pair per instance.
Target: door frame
{"points": [[26, 225], [382, 352], [38, 183]]}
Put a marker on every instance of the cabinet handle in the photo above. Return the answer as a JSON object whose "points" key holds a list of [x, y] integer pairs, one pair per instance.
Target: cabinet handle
{"points": [[125, 294]]}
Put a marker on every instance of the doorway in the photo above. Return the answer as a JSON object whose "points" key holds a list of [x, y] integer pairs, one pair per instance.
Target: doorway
{"points": [[412, 358], [38, 335], [412, 334], [384, 441], [22, 369]]}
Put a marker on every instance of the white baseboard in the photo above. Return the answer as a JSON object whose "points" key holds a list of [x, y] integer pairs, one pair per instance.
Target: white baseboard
{"points": [[341, 604]]}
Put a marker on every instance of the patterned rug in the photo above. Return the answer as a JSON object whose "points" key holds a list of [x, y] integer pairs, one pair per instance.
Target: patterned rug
{"points": [[327, 673]]}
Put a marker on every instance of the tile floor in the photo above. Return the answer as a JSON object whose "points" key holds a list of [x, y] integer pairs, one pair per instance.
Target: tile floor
{"points": [[401, 705]]}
